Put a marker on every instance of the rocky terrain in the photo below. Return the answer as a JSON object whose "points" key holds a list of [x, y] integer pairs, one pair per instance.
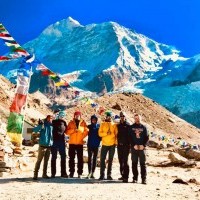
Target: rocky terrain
{"points": [[168, 160]]}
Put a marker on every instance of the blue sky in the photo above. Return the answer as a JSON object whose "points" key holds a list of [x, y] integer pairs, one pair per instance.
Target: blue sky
{"points": [[173, 22]]}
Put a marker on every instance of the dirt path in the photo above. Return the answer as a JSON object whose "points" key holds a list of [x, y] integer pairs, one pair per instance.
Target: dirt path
{"points": [[160, 186]]}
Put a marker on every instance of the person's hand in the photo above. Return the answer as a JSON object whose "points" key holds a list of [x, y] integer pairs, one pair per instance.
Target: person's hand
{"points": [[136, 147], [141, 147], [108, 132]]}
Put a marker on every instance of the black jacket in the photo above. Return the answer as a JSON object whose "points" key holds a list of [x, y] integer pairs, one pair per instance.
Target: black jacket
{"points": [[59, 129], [138, 134], [123, 133]]}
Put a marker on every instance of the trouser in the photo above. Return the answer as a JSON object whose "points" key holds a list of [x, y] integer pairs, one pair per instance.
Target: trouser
{"points": [[111, 151], [92, 158], [138, 154], [123, 153], [73, 150], [58, 146], [43, 152]]}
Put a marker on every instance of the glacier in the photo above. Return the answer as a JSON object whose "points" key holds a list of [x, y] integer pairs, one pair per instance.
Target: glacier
{"points": [[108, 57]]}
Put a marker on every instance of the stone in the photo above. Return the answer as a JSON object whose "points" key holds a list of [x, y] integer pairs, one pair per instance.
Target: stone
{"points": [[189, 153], [3, 169], [161, 146], [171, 120], [153, 144], [193, 180], [25, 163], [4, 174], [189, 164], [193, 154], [177, 159], [17, 151], [170, 145], [180, 181], [7, 149], [117, 107], [2, 164]]}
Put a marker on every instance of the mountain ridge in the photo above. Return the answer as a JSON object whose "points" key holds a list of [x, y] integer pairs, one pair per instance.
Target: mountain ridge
{"points": [[108, 57]]}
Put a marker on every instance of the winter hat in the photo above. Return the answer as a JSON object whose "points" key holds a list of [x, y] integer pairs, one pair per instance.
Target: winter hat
{"points": [[61, 114], [108, 114], [121, 114], [94, 117], [77, 113]]}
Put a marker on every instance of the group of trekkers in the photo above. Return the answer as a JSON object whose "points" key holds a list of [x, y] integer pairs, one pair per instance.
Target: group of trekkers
{"points": [[127, 138]]}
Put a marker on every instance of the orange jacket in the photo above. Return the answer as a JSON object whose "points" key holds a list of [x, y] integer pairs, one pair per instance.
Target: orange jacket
{"points": [[76, 135]]}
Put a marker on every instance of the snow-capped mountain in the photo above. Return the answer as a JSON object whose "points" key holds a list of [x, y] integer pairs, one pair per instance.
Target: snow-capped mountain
{"points": [[108, 57]]}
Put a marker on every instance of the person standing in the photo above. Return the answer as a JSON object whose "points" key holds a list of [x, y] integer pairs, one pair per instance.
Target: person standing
{"points": [[123, 147], [139, 138], [45, 142], [59, 130], [93, 145], [77, 131], [108, 133]]}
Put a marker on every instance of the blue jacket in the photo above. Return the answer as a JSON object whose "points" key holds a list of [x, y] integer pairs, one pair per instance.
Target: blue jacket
{"points": [[93, 137], [46, 134]]}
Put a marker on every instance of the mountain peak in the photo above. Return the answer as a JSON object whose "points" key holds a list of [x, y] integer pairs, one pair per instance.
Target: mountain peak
{"points": [[72, 22]]}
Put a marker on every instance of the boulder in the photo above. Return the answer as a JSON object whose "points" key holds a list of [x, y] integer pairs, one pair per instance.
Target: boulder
{"points": [[162, 146], [180, 181], [193, 154], [4, 169], [4, 174], [153, 144], [189, 164], [177, 159], [189, 153], [2, 164]]}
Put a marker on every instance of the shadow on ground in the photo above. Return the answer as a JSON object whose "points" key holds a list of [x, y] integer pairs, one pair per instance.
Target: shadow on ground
{"points": [[58, 180]]}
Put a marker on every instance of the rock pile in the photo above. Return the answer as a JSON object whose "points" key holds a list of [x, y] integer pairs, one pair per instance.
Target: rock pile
{"points": [[6, 150], [14, 158]]}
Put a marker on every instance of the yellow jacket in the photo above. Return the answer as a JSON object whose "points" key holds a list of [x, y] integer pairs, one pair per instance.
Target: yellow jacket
{"points": [[108, 133], [76, 135]]}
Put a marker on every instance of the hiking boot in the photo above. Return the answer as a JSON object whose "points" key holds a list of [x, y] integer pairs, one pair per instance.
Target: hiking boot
{"points": [[134, 181], [45, 176], [109, 178], [71, 175], [125, 180], [101, 178], [80, 176], [92, 176], [35, 178], [144, 181], [120, 179], [64, 176]]}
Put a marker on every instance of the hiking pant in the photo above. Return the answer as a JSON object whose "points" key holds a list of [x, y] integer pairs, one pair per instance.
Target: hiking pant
{"points": [[58, 146], [43, 152], [111, 151], [73, 150], [138, 154], [123, 153], [92, 158]]}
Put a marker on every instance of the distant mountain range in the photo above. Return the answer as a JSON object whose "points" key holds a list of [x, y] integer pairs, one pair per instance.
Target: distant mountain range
{"points": [[108, 57]]}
